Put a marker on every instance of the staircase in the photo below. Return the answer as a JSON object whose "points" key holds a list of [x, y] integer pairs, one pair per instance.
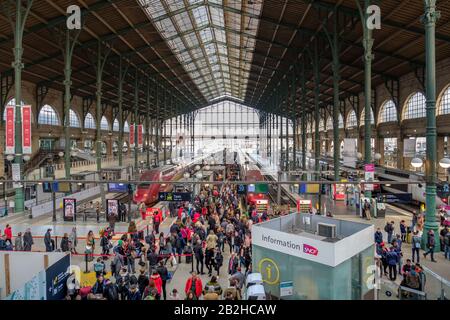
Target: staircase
{"points": [[38, 159], [83, 155]]}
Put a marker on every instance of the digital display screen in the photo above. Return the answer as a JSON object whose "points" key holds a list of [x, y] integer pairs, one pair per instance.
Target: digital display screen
{"points": [[117, 187]]}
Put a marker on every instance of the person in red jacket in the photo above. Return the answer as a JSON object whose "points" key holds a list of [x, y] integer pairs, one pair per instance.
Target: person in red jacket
{"points": [[157, 219], [158, 281], [8, 232], [204, 211], [180, 212], [196, 217], [194, 284]]}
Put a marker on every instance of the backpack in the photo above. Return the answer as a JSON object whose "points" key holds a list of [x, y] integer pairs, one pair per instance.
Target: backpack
{"points": [[98, 267], [386, 227]]}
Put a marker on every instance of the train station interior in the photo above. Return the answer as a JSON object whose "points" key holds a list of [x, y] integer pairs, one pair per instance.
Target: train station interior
{"points": [[225, 149]]}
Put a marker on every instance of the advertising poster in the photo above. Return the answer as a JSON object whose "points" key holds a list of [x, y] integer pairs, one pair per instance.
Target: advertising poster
{"points": [[140, 136], [409, 148], [369, 175], [26, 129], [112, 207], [56, 277], [131, 135], [69, 208], [9, 130], [16, 175]]}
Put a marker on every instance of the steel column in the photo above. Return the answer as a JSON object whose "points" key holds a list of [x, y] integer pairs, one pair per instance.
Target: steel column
{"points": [[429, 20], [21, 18]]}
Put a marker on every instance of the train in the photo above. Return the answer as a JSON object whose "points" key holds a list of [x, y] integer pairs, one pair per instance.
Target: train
{"points": [[257, 195], [417, 191], [148, 193]]}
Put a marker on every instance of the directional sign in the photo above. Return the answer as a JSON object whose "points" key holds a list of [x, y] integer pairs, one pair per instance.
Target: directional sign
{"points": [[174, 196]]}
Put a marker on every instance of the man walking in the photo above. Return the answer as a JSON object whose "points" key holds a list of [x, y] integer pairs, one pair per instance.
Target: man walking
{"points": [[431, 243]]}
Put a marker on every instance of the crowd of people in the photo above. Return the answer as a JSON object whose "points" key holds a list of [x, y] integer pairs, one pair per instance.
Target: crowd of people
{"points": [[204, 230], [389, 253]]}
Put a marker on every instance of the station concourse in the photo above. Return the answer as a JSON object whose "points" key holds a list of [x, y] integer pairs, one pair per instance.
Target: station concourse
{"points": [[164, 130]]}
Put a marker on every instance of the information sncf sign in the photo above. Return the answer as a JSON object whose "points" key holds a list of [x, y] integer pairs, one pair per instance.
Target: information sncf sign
{"points": [[310, 249]]}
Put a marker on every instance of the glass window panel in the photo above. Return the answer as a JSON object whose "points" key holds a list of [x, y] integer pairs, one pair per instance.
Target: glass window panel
{"points": [[89, 122], [444, 106], [48, 116], [104, 124], [415, 107], [351, 119], [74, 120], [363, 114], [388, 112], [116, 125]]}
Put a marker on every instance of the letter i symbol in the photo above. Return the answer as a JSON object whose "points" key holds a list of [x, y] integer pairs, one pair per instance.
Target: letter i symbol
{"points": [[269, 271]]}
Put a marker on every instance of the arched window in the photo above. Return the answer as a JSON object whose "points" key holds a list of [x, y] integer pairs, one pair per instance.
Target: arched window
{"points": [[415, 107], [89, 122], [321, 125], [12, 102], [363, 115], [444, 105], [74, 120], [104, 124], [48, 116], [351, 120], [116, 125], [330, 122], [388, 112], [126, 127], [329, 125]]}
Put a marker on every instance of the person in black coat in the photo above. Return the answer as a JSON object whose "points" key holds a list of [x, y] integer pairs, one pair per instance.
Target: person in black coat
{"points": [[218, 260], [65, 243], [164, 274], [152, 258], [199, 256], [111, 291]]}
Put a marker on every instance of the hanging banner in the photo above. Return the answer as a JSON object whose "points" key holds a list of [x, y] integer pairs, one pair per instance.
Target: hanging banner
{"points": [[26, 129], [409, 148], [139, 139], [132, 136], [10, 130], [69, 208]]}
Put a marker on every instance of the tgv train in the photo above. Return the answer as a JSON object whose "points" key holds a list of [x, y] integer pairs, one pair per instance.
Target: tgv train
{"points": [[417, 191], [256, 193], [148, 193]]}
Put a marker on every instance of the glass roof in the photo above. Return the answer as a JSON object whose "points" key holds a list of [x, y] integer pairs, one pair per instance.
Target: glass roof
{"points": [[214, 42]]}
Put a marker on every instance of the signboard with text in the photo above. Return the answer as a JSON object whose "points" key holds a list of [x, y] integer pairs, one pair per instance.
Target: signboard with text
{"points": [[10, 130], [26, 129], [16, 175], [369, 175], [174, 196], [409, 148], [112, 207]]}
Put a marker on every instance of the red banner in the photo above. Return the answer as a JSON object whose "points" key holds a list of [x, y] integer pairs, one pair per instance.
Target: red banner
{"points": [[140, 136], [26, 129], [132, 135], [10, 130]]}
